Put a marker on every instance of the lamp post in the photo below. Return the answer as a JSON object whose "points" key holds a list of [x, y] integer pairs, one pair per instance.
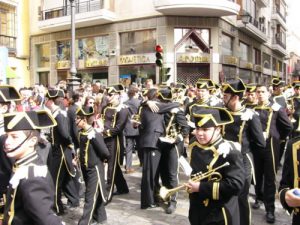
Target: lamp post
{"points": [[246, 18], [73, 81]]}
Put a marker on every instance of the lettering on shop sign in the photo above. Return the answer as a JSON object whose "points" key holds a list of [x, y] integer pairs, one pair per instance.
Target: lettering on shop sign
{"points": [[193, 58], [96, 62], [63, 64], [230, 60], [135, 59]]}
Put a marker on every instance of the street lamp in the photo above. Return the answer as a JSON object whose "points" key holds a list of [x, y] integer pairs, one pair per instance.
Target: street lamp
{"points": [[73, 81], [246, 18]]}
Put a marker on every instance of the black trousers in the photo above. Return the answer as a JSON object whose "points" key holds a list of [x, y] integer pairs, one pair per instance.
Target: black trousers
{"points": [[114, 172], [266, 164], [150, 176], [95, 196], [168, 167]]}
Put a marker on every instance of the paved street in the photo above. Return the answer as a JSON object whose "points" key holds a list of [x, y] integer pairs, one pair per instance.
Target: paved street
{"points": [[125, 209]]}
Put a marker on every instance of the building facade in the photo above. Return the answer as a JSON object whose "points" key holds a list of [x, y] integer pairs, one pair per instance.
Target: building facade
{"points": [[14, 42], [115, 40]]}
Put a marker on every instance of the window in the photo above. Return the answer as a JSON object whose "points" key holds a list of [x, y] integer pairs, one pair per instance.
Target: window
{"points": [[8, 26], [244, 51], [93, 47], [227, 45], [266, 61], [43, 55], [257, 56], [63, 50], [138, 42]]}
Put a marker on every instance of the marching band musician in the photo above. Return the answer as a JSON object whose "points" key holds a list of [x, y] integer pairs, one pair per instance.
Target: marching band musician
{"points": [[60, 159], [213, 200], [93, 152], [276, 126], [31, 192], [246, 129], [7, 94], [177, 130], [294, 110], [115, 115], [251, 99], [289, 192]]}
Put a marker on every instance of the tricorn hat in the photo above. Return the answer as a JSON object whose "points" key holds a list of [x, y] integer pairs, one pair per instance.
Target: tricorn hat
{"points": [[30, 120], [251, 87], [8, 93], [208, 116], [204, 84], [296, 84], [165, 93], [277, 82], [85, 111], [55, 93], [234, 87], [115, 89]]}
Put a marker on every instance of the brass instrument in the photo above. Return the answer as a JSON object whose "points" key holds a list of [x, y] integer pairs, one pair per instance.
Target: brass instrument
{"points": [[171, 132], [165, 193]]}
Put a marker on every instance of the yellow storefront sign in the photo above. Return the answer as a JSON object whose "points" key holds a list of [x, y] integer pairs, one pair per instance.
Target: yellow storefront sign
{"points": [[193, 58], [63, 64], [135, 59], [93, 62]]}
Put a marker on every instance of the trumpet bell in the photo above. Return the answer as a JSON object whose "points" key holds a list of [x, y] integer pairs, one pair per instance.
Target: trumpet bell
{"points": [[164, 193]]}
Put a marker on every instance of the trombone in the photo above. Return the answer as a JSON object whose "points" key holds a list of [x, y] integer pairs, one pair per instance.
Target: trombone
{"points": [[165, 193]]}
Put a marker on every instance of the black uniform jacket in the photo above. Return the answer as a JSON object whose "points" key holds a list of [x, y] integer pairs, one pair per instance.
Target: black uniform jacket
{"points": [[92, 148], [152, 124], [72, 124], [291, 175], [31, 194], [246, 129], [213, 194], [274, 120], [61, 139]]}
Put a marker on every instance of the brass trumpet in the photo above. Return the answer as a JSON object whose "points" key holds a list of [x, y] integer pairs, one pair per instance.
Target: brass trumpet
{"points": [[165, 193]]}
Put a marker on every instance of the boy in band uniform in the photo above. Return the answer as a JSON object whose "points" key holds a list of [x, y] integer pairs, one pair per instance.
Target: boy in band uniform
{"points": [[213, 200], [31, 192]]}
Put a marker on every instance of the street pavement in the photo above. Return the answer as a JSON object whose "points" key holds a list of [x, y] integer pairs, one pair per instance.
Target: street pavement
{"points": [[125, 209]]}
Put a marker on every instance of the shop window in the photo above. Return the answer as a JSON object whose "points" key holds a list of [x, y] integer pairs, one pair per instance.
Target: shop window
{"points": [[138, 42], [138, 74], [94, 47], [43, 55], [227, 45], [63, 50], [229, 72]]}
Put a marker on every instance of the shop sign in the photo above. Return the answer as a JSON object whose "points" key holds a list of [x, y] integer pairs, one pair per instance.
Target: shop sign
{"points": [[257, 68], [63, 64], [193, 58], [94, 62], [136, 59], [230, 60], [246, 65]]}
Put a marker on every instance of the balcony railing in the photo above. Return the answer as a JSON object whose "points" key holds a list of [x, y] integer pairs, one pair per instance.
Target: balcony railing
{"points": [[80, 7], [9, 42], [259, 25], [280, 40], [277, 10]]}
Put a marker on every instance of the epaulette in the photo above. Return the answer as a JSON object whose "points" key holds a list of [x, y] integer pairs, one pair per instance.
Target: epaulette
{"points": [[175, 110], [214, 101], [120, 107], [63, 112], [23, 173], [276, 106], [248, 115], [91, 134]]}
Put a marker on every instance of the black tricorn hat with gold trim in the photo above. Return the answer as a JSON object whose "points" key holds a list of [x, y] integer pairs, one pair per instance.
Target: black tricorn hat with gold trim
{"points": [[296, 84], [165, 93], [277, 82], [208, 116], [115, 89], [204, 84], [234, 87], [30, 120], [251, 87], [55, 93], [8, 93], [85, 111]]}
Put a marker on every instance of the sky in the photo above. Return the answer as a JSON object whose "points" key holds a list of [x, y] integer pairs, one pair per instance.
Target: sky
{"points": [[293, 18]]}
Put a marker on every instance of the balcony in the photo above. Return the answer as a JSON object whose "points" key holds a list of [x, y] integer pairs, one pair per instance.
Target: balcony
{"points": [[216, 8], [279, 44], [254, 28], [88, 13], [279, 17], [9, 42], [262, 3]]}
